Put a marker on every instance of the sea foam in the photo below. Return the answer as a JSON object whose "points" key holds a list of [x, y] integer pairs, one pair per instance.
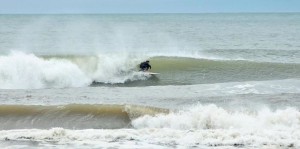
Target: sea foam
{"points": [[213, 117]]}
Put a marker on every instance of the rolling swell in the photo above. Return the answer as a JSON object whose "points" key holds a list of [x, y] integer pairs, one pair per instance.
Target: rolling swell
{"points": [[73, 116]]}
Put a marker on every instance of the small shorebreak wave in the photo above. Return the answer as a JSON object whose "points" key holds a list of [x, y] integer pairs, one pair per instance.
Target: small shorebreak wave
{"points": [[72, 116], [106, 116], [201, 126]]}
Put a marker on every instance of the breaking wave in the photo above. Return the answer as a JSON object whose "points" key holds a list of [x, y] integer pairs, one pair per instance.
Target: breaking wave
{"points": [[27, 71]]}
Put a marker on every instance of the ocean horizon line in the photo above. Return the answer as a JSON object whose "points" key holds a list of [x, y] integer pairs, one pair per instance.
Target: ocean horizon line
{"points": [[149, 13]]}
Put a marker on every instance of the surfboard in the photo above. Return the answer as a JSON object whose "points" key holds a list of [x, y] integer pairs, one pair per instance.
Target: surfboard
{"points": [[151, 73]]}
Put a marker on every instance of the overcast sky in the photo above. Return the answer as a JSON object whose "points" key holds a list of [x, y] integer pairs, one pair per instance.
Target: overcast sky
{"points": [[146, 6]]}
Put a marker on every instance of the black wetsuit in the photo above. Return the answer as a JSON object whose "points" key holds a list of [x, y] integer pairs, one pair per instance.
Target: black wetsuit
{"points": [[145, 66]]}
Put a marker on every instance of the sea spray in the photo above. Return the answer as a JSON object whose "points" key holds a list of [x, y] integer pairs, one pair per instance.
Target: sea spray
{"points": [[22, 71], [117, 68]]}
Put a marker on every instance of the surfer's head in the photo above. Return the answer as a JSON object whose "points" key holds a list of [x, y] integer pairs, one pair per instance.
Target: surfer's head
{"points": [[147, 61]]}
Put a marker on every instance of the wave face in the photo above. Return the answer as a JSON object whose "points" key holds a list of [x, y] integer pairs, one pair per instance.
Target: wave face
{"points": [[28, 71], [199, 71]]}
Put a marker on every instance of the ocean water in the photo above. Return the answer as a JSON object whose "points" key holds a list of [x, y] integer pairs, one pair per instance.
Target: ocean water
{"points": [[226, 81]]}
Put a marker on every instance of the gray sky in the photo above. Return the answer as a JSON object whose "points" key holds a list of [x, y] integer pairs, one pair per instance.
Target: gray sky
{"points": [[146, 6]]}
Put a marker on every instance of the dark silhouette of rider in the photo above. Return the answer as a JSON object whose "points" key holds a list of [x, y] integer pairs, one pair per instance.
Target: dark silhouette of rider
{"points": [[145, 66]]}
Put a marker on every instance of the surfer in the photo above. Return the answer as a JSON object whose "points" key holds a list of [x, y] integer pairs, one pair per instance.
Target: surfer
{"points": [[144, 66]]}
